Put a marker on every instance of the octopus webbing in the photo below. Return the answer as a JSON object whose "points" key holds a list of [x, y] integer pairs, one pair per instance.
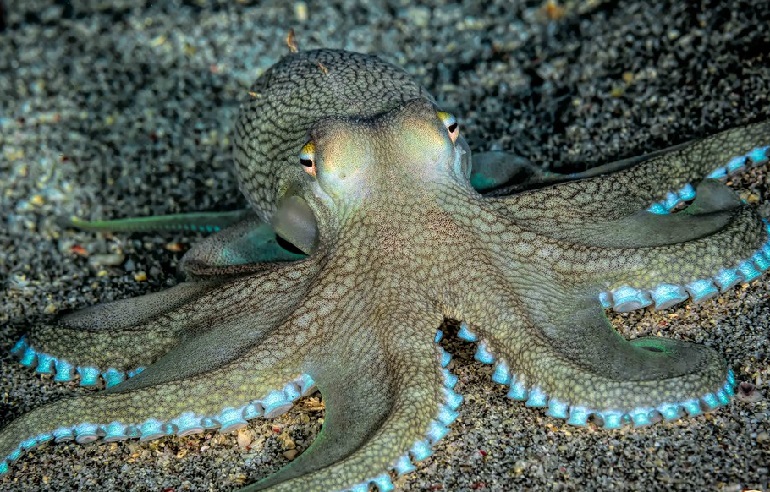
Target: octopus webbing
{"points": [[370, 226]]}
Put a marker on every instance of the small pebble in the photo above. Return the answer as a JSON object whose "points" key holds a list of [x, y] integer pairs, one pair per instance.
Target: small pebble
{"points": [[290, 454], [244, 438], [300, 11], [106, 259]]}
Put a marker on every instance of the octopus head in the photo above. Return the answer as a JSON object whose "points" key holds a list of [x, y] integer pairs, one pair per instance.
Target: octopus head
{"points": [[354, 164]]}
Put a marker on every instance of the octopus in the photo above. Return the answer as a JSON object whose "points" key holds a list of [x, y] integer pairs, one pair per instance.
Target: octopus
{"points": [[369, 226]]}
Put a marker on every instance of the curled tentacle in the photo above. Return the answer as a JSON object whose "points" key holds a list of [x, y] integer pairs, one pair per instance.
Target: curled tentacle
{"points": [[715, 206]]}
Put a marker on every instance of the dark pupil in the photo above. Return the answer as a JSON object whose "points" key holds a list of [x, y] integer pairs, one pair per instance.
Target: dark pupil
{"points": [[306, 162], [452, 127]]}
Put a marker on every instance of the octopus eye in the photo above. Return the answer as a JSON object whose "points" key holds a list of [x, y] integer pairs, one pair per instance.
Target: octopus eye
{"points": [[450, 122], [307, 158]]}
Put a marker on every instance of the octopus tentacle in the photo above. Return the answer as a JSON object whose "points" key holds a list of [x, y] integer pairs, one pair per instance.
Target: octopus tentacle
{"points": [[704, 281], [658, 183], [194, 221], [116, 340], [386, 406], [501, 173], [713, 209], [647, 259], [666, 274], [578, 366], [263, 380], [240, 241], [110, 341]]}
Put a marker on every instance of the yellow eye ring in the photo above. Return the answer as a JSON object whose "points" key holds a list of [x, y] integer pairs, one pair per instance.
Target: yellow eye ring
{"points": [[307, 158], [450, 122]]}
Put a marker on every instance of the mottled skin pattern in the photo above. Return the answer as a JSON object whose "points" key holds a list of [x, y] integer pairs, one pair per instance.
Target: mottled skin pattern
{"points": [[398, 240]]}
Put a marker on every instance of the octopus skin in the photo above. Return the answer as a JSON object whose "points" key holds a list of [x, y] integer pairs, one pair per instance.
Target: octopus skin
{"points": [[367, 230]]}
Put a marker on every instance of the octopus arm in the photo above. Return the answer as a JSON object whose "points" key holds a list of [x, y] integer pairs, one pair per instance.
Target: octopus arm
{"points": [[115, 341], [664, 260], [645, 259], [658, 182], [387, 401], [572, 362], [240, 242], [220, 391], [193, 221], [110, 341], [714, 208], [500, 173]]}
